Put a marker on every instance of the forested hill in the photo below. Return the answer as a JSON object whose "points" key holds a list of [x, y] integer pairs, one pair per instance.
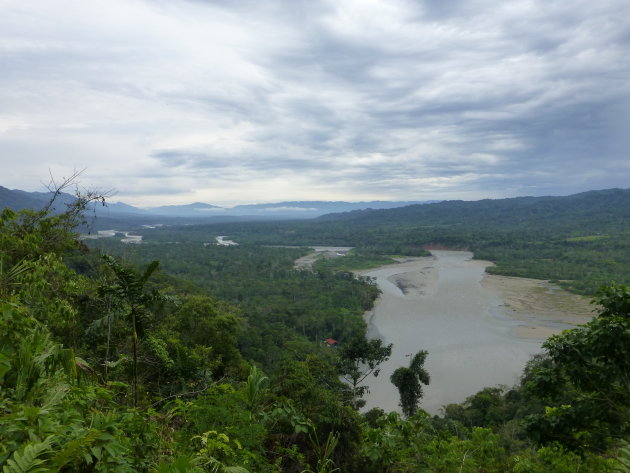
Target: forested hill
{"points": [[610, 206], [580, 239]]}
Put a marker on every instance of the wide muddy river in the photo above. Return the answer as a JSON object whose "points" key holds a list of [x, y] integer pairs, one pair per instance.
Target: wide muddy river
{"points": [[439, 304]]}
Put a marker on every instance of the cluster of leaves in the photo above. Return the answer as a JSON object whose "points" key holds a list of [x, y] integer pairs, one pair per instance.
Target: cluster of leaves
{"points": [[409, 381], [419, 443], [587, 381], [360, 358]]}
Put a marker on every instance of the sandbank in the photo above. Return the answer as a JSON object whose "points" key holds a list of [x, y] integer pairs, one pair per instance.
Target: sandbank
{"points": [[543, 309], [306, 262]]}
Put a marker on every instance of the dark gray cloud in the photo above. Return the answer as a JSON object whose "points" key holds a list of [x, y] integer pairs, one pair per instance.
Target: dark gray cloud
{"points": [[250, 101]]}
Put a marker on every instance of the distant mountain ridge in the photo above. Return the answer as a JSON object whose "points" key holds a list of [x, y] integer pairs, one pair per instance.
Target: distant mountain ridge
{"points": [[195, 208], [591, 204], [18, 199], [309, 209], [289, 209], [606, 205]]}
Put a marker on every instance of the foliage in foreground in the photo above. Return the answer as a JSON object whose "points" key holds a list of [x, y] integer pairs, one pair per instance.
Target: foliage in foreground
{"points": [[94, 376]]}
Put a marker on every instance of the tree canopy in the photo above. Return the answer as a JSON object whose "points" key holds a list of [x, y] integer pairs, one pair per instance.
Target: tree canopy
{"points": [[109, 365]]}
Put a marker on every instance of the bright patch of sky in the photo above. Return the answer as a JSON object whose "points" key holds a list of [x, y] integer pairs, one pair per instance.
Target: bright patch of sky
{"points": [[225, 102]]}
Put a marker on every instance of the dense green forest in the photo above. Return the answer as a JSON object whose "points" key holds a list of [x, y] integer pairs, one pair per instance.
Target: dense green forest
{"points": [[212, 360], [581, 240], [283, 308]]}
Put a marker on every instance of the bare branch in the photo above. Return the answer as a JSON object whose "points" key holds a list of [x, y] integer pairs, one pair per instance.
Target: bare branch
{"points": [[83, 197]]}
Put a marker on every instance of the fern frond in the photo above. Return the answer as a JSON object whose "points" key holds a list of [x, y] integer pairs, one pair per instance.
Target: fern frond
{"points": [[182, 464], [102, 322], [75, 449], [235, 469], [623, 458], [5, 365], [55, 394], [220, 467], [27, 459]]}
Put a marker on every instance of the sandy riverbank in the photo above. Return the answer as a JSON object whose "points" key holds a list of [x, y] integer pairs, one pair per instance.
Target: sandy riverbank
{"points": [[307, 261], [480, 330], [542, 309]]}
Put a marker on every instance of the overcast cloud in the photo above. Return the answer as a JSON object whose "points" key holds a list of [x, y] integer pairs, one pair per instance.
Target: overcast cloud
{"points": [[174, 101]]}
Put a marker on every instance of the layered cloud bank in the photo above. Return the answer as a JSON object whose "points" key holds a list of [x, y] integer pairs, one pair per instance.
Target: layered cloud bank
{"points": [[232, 102]]}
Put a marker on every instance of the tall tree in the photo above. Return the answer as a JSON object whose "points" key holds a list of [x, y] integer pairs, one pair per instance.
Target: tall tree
{"points": [[359, 358], [409, 383], [129, 290]]}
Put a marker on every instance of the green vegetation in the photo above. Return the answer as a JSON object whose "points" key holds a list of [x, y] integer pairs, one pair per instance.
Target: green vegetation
{"points": [[216, 364], [358, 359], [355, 260], [282, 309], [587, 395], [409, 381], [579, 240]]}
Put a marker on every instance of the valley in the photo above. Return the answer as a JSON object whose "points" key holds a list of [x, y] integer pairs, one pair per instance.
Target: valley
{"points": [[252, 345], [314, 236]]}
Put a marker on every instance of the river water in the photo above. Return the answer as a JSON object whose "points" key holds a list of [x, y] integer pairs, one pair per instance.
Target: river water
{"points": [[438, 304]]}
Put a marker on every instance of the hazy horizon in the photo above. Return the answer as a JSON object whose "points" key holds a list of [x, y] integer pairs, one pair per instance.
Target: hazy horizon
{"points": [[221, 206]]}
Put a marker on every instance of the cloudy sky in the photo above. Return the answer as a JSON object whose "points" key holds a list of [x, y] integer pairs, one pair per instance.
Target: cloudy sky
{"points": [[241, 101]]}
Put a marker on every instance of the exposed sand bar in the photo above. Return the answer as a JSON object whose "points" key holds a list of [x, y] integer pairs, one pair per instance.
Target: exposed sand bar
{"points": [[321, 252], [480, 330]]}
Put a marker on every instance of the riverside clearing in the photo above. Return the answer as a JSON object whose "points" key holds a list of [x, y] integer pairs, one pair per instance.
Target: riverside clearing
{"points": [[480, 330]]}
